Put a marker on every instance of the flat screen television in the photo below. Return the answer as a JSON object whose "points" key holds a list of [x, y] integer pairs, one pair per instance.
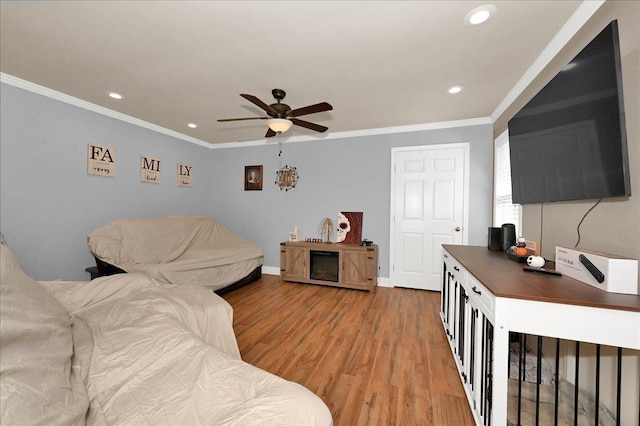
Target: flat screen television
{"points": [[570, 142]]}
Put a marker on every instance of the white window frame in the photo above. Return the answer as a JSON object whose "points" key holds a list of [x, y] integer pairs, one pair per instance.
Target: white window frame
{"points": [[504, 211]]}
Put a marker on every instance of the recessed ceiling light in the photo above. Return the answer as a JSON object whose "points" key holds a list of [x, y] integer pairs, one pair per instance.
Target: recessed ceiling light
{"points": [[115, 95], [455, 89], [480, 14], [192, 125]]}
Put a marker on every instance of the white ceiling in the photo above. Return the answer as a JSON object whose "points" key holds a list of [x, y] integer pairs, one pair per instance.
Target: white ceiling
{"points": [[379, 63]]}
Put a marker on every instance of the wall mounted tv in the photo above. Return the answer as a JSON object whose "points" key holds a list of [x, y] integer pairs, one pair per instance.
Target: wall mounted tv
{"points": [[569, 142]]}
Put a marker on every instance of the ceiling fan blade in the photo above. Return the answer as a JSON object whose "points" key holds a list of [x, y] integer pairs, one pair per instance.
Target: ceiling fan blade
{"points": [[270, 134], [259, 103], [311, 109], [241, 119], [312, 126]]}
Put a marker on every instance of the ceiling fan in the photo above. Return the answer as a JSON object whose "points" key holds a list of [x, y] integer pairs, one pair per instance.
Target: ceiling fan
{"points": [[281, 117]]}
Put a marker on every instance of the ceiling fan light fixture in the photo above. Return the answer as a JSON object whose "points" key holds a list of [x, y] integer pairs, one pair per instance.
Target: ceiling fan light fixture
{"points": [[279, 125]]}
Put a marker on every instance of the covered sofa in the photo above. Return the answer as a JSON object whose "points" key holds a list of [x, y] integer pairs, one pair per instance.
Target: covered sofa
{"points": [[125, 350], [177, 250]]}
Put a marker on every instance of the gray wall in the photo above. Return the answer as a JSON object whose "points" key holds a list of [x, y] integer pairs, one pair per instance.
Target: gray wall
{"points": [[48, 203], [343, 174]]}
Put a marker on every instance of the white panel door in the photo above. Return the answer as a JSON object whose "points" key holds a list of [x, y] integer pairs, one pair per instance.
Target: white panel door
{"points": [[427, 211]]}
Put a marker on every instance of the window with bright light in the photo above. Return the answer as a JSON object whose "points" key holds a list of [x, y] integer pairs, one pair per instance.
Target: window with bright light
{"points": [[504, 211]]}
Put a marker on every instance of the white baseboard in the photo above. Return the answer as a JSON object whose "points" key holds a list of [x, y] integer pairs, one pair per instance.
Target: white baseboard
{"points": [[384, 282], [272, 270]]}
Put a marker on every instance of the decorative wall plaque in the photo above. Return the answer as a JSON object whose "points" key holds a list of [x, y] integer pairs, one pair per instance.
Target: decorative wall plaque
{"points": [[287, 178], [149, 169], [101, 160], [185, 175]]}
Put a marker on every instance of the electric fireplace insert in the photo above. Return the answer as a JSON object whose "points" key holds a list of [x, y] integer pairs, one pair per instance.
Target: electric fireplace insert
{"points": [[324, 265]]}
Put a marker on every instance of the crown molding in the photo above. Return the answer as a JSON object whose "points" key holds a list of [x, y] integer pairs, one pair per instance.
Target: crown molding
{"points": [[59, 96], [361, 133], [53, 94]]}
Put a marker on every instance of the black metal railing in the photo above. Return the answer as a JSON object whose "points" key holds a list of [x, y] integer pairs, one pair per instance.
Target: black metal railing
{"points": [[540, 395]]}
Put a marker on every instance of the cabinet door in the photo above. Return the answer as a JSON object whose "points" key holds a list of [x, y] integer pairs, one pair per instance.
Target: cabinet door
{"points": [[453, 310], [448, 299], [358, 268], [295, 263]]}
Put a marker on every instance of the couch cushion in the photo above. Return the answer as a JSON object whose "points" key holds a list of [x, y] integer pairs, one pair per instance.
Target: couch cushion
{"points": [[36, 384]]}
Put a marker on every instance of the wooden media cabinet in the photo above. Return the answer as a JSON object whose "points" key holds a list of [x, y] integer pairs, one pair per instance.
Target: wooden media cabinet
{"points": [[333, 264]]}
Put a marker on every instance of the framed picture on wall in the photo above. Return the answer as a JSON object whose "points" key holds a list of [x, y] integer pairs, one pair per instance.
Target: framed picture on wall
{"points": [[253, 178]]}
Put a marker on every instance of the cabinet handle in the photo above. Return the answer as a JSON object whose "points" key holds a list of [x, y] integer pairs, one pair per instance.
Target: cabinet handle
{"points": [[456, 268], [476, 291], [446, 256]]}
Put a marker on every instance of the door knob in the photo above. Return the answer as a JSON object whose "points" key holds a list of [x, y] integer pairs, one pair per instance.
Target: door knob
{"points": [[457, 229]]}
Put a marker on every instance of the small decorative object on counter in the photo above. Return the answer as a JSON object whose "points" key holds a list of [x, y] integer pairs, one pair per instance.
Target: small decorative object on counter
{"points": [[521, 247], [349, 230], [536, 261], [518, 252], [295, 235], [325, 230]]}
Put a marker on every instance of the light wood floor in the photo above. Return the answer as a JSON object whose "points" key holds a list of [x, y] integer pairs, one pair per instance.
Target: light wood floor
{"points": [[378, 358]]}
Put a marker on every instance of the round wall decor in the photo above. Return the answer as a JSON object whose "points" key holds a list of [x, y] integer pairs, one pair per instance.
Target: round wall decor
{"points": [[287, 178]]}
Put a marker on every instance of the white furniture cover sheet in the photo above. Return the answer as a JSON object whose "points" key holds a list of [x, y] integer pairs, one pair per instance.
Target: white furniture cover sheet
{"points": [[177, 249], [141, 352]]}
